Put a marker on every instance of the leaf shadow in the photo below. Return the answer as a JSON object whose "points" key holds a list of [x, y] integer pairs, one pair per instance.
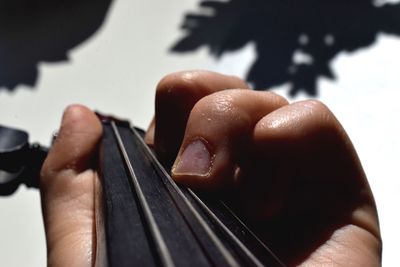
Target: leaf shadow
{"points": [[295, 40], [35, 31]]}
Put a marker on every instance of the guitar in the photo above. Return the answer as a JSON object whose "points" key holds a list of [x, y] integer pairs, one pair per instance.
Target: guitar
{"points": [[145, 218]]}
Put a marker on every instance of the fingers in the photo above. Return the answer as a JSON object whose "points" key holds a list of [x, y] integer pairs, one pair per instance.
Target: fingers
{"points": [[218, 129], [304, 179], [287, 163], [308, 131], [68, 189], [176, 95], [312, 168], [305, 144], [307, 136]]}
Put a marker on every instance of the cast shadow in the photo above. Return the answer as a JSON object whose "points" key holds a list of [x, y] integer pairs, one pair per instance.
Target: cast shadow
{"points": [[295, 40], [35, 31]]}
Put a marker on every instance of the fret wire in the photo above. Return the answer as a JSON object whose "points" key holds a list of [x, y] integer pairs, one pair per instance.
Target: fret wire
{"points": [[252, 234], [158, 240], [211, 214], [217, 242]]}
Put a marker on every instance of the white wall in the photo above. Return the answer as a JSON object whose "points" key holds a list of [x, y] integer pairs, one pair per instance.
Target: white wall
{"points": [[117, 70]]}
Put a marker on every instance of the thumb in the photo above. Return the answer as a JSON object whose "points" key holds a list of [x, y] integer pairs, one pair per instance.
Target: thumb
{"points": [[68, 189]]}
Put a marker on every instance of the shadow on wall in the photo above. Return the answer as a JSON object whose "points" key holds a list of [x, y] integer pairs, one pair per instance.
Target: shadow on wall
{"points": [[295, 40], [34, 31]]}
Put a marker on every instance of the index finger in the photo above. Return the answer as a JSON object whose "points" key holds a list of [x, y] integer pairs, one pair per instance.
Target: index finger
{"points": [[176, 95]]}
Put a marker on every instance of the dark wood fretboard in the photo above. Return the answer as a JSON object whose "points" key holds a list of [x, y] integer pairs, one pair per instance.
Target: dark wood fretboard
{"points": [[149, 220]]}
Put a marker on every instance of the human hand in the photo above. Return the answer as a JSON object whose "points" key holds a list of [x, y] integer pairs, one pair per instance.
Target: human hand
{"points": [[291, 168], [68, 187]]}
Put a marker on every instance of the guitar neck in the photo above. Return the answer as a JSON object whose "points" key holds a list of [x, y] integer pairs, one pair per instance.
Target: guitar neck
{"points": [[146, 219]]}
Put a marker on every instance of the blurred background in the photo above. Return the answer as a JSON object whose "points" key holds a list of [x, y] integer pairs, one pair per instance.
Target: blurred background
{"points": [[109, 55]]}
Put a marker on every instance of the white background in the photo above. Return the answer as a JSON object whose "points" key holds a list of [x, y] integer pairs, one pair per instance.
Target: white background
{"points": [[118, 68]]}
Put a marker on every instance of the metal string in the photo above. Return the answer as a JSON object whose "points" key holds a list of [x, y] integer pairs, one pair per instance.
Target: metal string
{"points": [[228, 232], [252, 233], [213, 237], [159, 242]]}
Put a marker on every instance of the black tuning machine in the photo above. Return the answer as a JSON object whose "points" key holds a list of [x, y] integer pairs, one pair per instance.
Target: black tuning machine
{"points": [[20, 161]]}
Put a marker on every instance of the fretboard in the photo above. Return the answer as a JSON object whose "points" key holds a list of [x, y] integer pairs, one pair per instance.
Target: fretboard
{"points": [[149, 220]]}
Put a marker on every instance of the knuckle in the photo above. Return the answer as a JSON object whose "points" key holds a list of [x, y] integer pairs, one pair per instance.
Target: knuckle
{"points": [[317, 109], [177, 85], [324, 120], [278, 100], [222, 107], [222, 102], [239, 83], [238, 106], [316, 105]]}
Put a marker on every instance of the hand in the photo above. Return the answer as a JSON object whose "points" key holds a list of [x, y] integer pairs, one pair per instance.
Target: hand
{"points": [[68, 189], [290, 169]]}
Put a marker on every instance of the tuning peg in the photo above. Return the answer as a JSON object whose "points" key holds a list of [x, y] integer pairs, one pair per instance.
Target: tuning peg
{"points": [[20, 162]]}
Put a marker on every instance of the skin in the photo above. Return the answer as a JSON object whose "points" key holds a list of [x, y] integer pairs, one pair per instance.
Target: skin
{"points": [[289, 169]]}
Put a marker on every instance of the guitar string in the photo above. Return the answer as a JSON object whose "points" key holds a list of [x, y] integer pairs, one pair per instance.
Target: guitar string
{"points": [[158, 240], [228, 232], [217, 242], [252, 234]]}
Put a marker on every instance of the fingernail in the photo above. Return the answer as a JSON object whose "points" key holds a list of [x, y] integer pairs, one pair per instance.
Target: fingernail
{"points": [[194, 160]]}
